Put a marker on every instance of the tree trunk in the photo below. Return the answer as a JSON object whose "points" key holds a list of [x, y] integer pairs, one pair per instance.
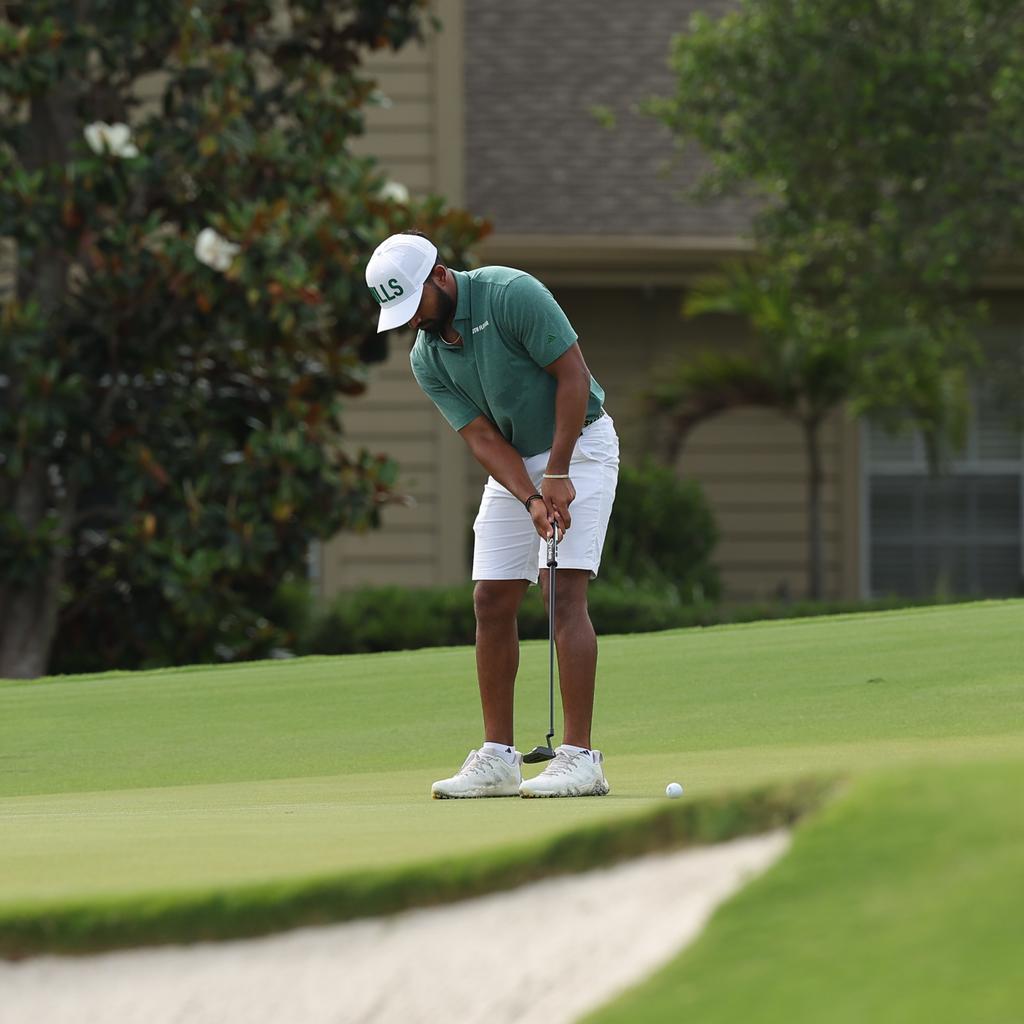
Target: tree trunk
{"points": [[28, 610], [816, 559], [28, 613], [670, 437], [28, 628]]}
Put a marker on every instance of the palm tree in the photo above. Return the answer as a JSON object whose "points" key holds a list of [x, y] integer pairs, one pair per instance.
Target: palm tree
{"points": [[789, 368]]}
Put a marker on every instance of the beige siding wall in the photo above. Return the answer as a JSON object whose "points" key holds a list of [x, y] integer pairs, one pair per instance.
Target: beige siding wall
{"points": [[401, 133], [753, 467]]}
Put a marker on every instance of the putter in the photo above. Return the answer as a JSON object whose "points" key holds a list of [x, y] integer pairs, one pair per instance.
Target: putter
{"points": [[545, 753]]}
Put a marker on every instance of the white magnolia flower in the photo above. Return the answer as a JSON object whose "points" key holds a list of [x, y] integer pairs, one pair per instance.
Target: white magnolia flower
{"points": [[214, 250], [395, 191], [113, 138]]}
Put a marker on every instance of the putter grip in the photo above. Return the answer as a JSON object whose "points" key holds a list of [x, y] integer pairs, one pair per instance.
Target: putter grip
{"points": [[553, 548]]}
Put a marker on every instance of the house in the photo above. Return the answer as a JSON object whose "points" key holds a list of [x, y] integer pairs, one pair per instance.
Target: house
{"points": [[527, 114]]}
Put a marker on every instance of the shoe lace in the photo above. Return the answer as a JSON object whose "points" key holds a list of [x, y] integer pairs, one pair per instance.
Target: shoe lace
{"points": [[563, 764], [478, 763]]}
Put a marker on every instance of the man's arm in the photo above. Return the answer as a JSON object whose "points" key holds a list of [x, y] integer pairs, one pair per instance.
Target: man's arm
{"points": [[533, 317], [505, 464], [571, 398], [497, 456]]}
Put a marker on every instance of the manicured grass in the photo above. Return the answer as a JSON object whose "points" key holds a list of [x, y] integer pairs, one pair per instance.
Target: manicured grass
{"points": [[903, 901], [165, 789]]}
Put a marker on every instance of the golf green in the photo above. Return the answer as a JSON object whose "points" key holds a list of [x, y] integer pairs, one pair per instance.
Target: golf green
{"points": [[158, 785], [902, 901]]}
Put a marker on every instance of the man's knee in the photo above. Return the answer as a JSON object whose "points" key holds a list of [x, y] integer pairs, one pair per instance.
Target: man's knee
{"points": [[497, 601], [571, 589]]}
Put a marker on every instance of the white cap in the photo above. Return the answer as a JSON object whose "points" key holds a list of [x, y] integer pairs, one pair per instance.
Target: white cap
{"points": [[395, 275]]}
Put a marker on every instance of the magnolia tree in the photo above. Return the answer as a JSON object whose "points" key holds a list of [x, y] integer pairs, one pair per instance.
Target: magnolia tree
{"points": [[188, 231]]}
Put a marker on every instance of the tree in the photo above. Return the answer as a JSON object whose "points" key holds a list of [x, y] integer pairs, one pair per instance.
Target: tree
{"points": [[884, 141], [796, 364], [191, 230]]}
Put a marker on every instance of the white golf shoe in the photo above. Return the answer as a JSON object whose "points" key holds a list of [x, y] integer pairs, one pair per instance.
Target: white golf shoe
{"points": [[571, 773], [482, 774]]}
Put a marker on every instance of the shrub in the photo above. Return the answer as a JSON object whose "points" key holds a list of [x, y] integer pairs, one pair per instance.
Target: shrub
{"points": [[392, 618], [661, 535], [388, 618]]}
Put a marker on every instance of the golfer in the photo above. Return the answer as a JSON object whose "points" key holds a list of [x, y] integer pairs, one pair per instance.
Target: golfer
{"points": [[500, 360]]}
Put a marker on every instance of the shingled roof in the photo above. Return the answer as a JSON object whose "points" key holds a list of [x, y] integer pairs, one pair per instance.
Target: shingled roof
{"points": [[538, 160]]}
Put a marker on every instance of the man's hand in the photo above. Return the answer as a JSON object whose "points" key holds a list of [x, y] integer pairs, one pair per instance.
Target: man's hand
{"points": [[558, 496]]}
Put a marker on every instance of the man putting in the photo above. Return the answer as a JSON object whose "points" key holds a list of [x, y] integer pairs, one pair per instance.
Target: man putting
{"points": [[500, 360]]}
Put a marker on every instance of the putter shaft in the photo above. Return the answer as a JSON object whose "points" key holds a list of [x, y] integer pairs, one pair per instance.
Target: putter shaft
{"points": [[552, 573], [546, 753]]}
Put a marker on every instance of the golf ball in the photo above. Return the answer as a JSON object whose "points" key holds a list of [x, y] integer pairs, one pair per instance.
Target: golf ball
{"points": [[673, 790]]}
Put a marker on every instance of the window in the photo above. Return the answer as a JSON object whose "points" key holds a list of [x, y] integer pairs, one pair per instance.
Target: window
{"points": [[960, 533]]}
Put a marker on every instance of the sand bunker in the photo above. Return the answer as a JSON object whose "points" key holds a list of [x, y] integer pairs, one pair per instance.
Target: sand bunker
{"points": [[561, 947]]}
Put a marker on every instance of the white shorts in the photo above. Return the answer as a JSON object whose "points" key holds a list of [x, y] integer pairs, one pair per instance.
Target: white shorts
{"points": [[507, 545]]}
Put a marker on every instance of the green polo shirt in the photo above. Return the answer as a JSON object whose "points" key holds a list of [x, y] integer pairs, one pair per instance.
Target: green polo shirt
{"points": [[511, 329]]}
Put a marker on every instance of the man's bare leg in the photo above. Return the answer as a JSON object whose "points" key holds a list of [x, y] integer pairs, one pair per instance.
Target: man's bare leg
{"points": [[496, 605], [576, 644]]}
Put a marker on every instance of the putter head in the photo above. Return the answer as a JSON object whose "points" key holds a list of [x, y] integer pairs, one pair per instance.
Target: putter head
{"points": [[538, 754]]}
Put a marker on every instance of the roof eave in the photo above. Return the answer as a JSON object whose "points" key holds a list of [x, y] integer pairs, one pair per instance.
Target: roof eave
{"points": [[630, 260], [623, 260]]}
